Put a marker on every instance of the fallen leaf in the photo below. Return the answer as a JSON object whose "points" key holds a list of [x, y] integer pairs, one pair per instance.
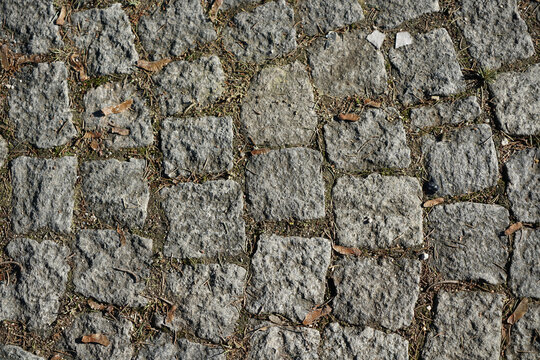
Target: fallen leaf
{"points": [[96, 339], [433, 202], [62, 17], [57, 357], [348, 117], [170, 314], [76, 63], [92, 135], [372, 103], [275, 319], [260, 151], [119, 130], [513, 228], [121, 235], [95, 305], [346, 250], [26, 59], [521, 309], [117, 109], [317, 313], [5, 57], [153, 65], [94, 145], [214, 9]]}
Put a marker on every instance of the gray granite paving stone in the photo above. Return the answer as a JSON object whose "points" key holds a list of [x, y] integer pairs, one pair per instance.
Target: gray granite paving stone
{"points": [[517, 104], [347, 64], [182, 83], [136, 119], [116, 192], [371, 291], [45, 123], [288, 276], [525, 269], [322, 15], [43, 192], [461, 111], [11, 352], [377, 140], [3, 151], [378, 212], [467, 326], [524, 344], [392, 13], [464, 161], [230, 4], [523, 187], [279, 108], [285, 184], [282, 343], [495, 31], [164, 348], [427, 67], [205, 220], [159, 32], [197, 145], [469, 243]]}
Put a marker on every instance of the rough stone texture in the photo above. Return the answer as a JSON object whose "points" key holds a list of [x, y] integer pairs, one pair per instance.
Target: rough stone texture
{"points": [[469, 243], [279, 109], [159, 32], [45, 123], [116, 191], [281, 343], [427, 67], [495, 31], [461, 111], [136, 119], [285, 184], [41, 281], [517, 104], [378, 212], [465, 161], [377, 140], [117, 331], [197, 145], [3, 151], [347, 64], [163, 348], [392, 13], [297, 282], [523, 170], [348, 343], [524, 344], [229, 4], [376, 291], [322, 15], [29, 34], [10, 352], [467, 326], [525, 269], [182, 83], [106, 37], [205, 220], [42, 193], [265, 33], [101, 258]]}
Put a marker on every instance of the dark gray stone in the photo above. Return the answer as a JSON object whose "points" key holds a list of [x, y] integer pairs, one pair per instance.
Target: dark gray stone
{"points": [[275, 342], [285, 184], [495, 31], [116, 191], [322, 15], [43, 193], [182, 83], [3, 151], [10, 352], [380, 291], [377, 140], [427, 67], [462, 162], [469, 243], [163, 348], [170, 32], [392, 13], [106, 38], [205, 220], [229, 4], [279, 109], [457, 112], [378, 212], [523, 170], [524, 344], [525, 269], [467, 326], [197, 145], [346, 65], [45, 123]]}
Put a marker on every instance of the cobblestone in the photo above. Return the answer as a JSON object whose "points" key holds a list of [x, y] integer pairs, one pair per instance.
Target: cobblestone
{"points": [[455, 113], [524, 339], [164, 348], [280, 343], [323, 16], [525, 270], [10, 352], [392, 13], [523, 170]]}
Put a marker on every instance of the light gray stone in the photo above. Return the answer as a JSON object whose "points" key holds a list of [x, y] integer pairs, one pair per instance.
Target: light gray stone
{"points": [[10, 352], [376, 38], [495, 31], [378, 212], [182, 83], [265, 33], [170, 32], [282, 343], [403, 38], [523, 189], [136, 119], [380, 291], [465, 161], [467, 326], [3, 151], [347, 64], [163, 348], [285, 184], [377, 140], [43, 192], [106, 38], [461, 111], [230, 4], [322, 15], [197, 145], [524, 344], [288, 276], [39, 105], [116, 191], [469, 243], [517, 104], [427, 67], [348, 343], [279, 109], [392, 13], [525, 269], [205, 220]]}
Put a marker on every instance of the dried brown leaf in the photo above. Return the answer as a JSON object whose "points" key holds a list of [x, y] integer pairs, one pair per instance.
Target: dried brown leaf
{"points": [[346, 250], [121, 235], [276, 319], [119, 130], [96, 339], [117, 109], [317, 313], [348, 117], [521, 309], [372, 103], [153, 65], [92, 135], [62, 17], [95, 305], [214, 9], [5, 57], [170, 314], [513, 228], [433, 202], [26, 59], [57, 357], [260, 151], [94, 145], [77, 64]]}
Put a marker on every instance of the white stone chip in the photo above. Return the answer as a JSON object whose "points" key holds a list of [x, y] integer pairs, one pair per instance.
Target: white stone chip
{"points": [[376, 38], [403, 38]]}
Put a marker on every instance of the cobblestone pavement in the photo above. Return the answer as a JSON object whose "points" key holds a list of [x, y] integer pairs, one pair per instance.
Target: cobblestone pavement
{"points": [[255, 179]]}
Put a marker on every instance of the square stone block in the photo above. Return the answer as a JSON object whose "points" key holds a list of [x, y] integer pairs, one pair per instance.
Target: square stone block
{"points": [[392, 13], [323, 15], [456, 112], [524, 343], [523, 170], [525, 268], [285, 343]]}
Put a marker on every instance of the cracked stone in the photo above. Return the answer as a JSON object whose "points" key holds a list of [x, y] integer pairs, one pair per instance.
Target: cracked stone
{"points": [[523, 170], [322, 15], [524, 344], [275, 342], [392, 13], [525, 269], [461, 111], [11, 352], [3, 151], [163, 348]]}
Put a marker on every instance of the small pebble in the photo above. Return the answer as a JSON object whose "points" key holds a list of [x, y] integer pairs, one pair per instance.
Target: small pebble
{"points": [[376, 38], [431, 187], [403, 38], [424, 256]]}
